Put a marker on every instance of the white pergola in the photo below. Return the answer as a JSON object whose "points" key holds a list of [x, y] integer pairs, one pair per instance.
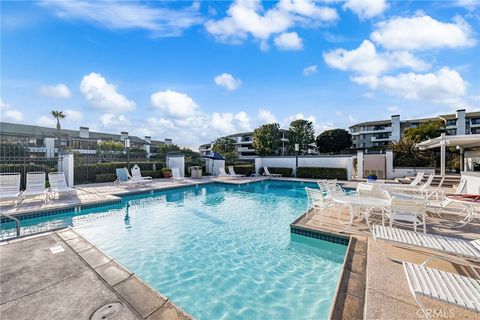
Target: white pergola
{"points": [[461, 141]]}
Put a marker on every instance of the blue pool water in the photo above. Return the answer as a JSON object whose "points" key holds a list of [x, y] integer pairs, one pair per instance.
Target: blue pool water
{"points": [[219, 251]]}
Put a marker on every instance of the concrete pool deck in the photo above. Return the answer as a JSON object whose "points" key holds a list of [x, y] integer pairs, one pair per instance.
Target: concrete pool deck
{"points": [[60, 275], [374, 287]]}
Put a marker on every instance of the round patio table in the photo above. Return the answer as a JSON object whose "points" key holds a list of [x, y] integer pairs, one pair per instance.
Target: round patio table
{"points": [[469, 201], [355, 202]]}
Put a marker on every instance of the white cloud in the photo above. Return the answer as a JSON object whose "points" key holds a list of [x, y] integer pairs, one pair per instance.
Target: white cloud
{"points": [[228, 123], [351, 119], [129, 15], [104, 96], [266, 117], [299, 116], [45, 121], [60, 91], [114, 121], [366, 9], [288, 41], [366, 61], [8, 113], [227, 81], [393, 109], [73, 115], [368, 95], [468, 4], [174, 103], [445, 86], [248, 18], [308, 71], [423, 33]]}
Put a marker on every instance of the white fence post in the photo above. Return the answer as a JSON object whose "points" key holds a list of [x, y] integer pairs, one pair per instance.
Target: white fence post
{"points": [[360, 164], [65, 162]]}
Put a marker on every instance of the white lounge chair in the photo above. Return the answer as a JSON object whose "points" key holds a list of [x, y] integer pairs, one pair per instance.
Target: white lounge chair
{"points": [[232, 173], [268, 174], [35, 186], [10, 187], [316, 201], [451, 288], [137, 175], [446, 246], [414, 188], [438, 201], [58, 184], [224, 174], [176, 176], [123, 178]]}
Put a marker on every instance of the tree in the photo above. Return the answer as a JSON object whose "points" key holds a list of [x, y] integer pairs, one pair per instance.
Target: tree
{"points": [[301, 132], [266, 139], [425, 131], [58, 115], [408, 155], [223, 145], [334, 140]]}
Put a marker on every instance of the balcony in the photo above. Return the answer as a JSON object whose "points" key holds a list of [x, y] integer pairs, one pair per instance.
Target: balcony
{"points": [[371, 130], [245, 149], [244, 142], [382, 139]]}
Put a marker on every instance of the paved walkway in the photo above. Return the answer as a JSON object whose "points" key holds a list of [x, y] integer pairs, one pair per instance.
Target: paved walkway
{"points": [[60, 275]]}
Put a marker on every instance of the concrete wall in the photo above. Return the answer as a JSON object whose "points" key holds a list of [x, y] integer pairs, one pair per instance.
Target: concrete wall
{"points": [[473, 182], [213, 166], [310, 162], [66, 165], [176, 162]]}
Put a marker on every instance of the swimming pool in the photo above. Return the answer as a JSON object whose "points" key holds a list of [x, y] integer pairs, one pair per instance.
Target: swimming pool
{"points": [[220, 251]]}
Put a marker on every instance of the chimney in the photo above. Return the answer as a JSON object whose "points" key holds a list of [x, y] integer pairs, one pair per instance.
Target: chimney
{"points": [[148, 139], [84, 132], [123, 135]]}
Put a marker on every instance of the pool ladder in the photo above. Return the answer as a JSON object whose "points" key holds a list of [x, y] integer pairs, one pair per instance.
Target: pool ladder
{"points": [[17, 222]]}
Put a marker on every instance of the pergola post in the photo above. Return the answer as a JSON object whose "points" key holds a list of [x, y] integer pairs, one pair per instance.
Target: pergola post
{"points": [[442, 155]]}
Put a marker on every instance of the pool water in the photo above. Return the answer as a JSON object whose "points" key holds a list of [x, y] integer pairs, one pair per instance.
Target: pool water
{"points": [[220, 251]]}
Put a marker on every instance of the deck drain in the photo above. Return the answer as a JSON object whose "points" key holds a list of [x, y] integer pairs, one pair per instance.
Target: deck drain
{"points": [[107, 311]]}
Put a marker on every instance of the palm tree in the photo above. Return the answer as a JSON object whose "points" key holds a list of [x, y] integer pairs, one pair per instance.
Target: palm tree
{"points": [[58, 115]]}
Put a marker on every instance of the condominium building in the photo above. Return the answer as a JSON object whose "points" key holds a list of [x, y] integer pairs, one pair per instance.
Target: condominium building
{"points": [[243, 145], [43, 140], [380, 133]]}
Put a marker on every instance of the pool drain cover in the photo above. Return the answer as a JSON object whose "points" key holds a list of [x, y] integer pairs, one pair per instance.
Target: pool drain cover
{"points": [[107, 311]]}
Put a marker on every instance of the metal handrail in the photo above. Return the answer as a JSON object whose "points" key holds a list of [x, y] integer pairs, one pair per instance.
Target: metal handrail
{"points": [[17, 222]]}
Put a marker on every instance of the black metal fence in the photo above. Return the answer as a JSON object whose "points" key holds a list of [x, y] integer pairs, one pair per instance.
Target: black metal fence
{"points": [[18, 159], [101, 167]]}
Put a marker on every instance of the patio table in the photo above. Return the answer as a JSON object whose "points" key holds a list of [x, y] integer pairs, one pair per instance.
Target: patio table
{"points": [[469, 201], [355, 202]]}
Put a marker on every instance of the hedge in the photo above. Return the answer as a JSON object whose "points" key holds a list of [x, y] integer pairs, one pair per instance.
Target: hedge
{"points": [[246, 169], [285, 172], [322, 173], [105, 172]]}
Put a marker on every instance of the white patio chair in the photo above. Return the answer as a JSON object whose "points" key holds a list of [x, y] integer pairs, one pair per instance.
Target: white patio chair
{"points": [[176, 175], [137, 175], [405, 210], [330, 188], [58, 184], [222, 173], [315, 202], [415, 188], [10, 187], [35, 186], [123, 178], [438, 201], [418, 178], [451, 288], [268, 174], [231, 172]]}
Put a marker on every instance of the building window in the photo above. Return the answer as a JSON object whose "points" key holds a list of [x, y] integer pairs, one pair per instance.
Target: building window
{"points": [[452, 122], [451, 132], [475, 121]]}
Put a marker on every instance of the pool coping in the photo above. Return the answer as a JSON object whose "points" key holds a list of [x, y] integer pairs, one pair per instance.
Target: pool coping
{"points": [[349, 297], [130, 287]]}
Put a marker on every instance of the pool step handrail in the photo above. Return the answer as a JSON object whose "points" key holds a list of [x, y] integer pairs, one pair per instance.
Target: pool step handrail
{"points": [[17, 222]]}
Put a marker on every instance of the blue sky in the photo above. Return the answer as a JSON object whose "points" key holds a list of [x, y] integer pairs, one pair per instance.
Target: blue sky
{"points": [[193, 71]]}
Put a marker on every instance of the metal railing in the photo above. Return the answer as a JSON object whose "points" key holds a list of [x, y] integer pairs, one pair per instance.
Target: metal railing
{"points": [[17, 222]]}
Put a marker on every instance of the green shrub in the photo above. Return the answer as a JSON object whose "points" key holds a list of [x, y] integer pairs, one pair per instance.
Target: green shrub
{"points": [[285, 172], [154, 174], [246, 169], [105, 177], [322, 173]]}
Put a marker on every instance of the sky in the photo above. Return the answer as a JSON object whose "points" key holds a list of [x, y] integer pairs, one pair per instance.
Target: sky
{"points": [[194, 71]]}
